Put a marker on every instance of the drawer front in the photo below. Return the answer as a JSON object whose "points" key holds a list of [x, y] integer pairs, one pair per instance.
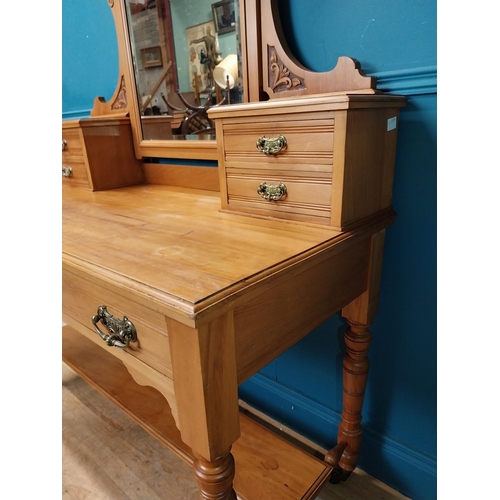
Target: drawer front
{"points": [[73, 157], [82, 297], [77, 176], [73, 147], [307, 198], [309, 145]]}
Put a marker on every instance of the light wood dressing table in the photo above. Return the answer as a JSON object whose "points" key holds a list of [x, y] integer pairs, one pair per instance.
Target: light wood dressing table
{"points": [[174, 296]]}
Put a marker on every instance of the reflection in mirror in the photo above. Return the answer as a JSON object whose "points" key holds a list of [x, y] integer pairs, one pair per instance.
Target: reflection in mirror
{"points": [[187, 58]]}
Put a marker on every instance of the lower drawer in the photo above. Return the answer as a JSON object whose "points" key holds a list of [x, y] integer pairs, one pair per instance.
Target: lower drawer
{"points": [[77, 175], [81, 299], [280, 194]]}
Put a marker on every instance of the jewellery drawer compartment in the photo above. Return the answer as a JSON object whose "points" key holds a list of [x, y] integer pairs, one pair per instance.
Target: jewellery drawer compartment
{"points": [[92, 306]]}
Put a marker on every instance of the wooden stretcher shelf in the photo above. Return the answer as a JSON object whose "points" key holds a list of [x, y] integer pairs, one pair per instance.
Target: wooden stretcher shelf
{"points": [[267, 466]]}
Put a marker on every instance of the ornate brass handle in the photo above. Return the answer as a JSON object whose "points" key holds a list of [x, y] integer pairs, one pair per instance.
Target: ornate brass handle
{"points": [[272, 192], [64, 144], [67, 171], [270, 146], [122, 330]]}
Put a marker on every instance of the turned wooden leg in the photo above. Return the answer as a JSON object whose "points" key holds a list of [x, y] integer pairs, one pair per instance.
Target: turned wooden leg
{"points": [[359, 314], [345, 455], [215, 479]]}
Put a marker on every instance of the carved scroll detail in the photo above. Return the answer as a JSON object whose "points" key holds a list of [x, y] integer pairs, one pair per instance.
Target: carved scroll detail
{"points": [[121, 99], [281, 78]]}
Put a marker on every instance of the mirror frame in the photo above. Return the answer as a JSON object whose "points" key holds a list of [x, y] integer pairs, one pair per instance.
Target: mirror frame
{"points": [[124, 101]]}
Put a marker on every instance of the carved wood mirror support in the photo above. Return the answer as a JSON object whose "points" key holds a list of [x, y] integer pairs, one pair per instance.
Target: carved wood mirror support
{"points": [[285, 76]]}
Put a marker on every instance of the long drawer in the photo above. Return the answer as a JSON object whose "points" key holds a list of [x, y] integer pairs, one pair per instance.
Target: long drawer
{"points": [[81, 300]]}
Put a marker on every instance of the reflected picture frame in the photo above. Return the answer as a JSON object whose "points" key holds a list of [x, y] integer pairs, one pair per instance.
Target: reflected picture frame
{"points": [[151, 57], [224, 16]]}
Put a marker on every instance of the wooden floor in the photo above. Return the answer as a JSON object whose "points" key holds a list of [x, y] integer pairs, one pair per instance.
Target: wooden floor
{"points": [[107, 456]]}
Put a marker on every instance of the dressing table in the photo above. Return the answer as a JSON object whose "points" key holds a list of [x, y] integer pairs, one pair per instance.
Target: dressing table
{"points": [[175, 295]]}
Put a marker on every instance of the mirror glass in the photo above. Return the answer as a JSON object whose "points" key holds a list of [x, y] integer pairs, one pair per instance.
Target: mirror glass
{"points": [[187, 57]]}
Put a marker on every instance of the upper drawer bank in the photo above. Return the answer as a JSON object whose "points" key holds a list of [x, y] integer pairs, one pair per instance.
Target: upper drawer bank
{"points": [[326, 159]]}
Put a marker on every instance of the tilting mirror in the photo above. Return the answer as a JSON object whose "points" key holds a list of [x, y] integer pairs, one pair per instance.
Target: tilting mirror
{"points": [[186, 58]]}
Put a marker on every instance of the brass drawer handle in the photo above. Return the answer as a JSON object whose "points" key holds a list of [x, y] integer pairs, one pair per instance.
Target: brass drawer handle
{"points": [[67, 171], [64, 144], [272, 192], [122, 330], [270, 146]]}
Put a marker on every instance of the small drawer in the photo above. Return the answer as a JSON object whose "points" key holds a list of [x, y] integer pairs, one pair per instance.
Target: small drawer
{"points": [[280, 194], [74, 173], [72, 146], [81, 299], [308, 144]]}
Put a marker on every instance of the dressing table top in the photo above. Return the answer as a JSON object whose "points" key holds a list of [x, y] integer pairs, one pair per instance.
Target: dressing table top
{"points": [[174, 246]]}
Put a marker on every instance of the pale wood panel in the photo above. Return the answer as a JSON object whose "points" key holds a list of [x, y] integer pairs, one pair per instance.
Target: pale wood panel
{"points": [[261, 322], [106, 455], [206, 385], [363, 168], [206, 178]]}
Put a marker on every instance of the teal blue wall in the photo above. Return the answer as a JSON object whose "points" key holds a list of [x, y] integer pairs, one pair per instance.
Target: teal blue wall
{"points": [[396, 42], [89, 55]]}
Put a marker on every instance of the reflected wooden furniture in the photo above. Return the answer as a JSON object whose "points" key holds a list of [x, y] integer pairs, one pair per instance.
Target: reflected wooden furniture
{"points": [[157, 127]]}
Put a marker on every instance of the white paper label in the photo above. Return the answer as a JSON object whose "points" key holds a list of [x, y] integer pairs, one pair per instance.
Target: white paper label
{"points": [[391, 123]]}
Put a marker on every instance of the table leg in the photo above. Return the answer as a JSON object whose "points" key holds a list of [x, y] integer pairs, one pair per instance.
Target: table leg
{"points": [[359, 314], [206, 391], [215, 479]]}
